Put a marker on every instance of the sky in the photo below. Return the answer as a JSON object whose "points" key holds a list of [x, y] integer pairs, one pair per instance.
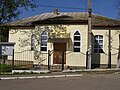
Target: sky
{"points": [[101, 7]]}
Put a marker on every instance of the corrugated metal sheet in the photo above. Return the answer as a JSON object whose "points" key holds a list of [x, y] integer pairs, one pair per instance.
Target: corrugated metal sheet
{"points": [[65, 17]]}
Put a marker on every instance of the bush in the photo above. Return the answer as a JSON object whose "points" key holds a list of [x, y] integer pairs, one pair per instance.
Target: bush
{"points": [[5, 68], [21, 68], [8, 68]]}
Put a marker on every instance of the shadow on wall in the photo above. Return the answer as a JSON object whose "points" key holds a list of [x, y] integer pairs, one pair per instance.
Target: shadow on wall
{"points": [[97, 46]]}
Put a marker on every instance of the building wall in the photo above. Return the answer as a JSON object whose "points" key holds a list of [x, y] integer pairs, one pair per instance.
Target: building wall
{"points": [[22, 50], [25, 53], [102, 58], [77, 58], [114, 46], [72, 58]]}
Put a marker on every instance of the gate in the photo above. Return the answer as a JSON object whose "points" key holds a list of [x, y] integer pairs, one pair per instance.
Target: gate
{"points": [[57, 65]]}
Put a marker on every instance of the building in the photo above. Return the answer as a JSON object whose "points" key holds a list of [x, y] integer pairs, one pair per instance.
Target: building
{"points": [[65, 36]]}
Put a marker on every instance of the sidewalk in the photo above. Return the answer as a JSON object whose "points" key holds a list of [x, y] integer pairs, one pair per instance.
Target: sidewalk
{"points": [[35, 76], [65, 73], [92, 70]]}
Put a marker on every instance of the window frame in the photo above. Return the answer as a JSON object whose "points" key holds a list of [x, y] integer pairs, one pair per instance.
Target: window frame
{"points": [[44, 42], [98, 48], [75, 41]]}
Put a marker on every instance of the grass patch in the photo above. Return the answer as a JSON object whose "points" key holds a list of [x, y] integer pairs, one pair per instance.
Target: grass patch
{"points": [[5, 68]]}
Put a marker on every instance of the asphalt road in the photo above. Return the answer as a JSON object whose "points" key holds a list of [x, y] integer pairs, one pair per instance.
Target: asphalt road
{"points": [[86, 82]]}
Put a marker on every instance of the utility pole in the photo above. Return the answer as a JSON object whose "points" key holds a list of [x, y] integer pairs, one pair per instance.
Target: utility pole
{"points": [[89, 33]]}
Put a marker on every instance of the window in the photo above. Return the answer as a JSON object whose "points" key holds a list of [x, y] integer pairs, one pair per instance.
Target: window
{"points": [[32, 42], [98, 44], [44, 38], [77, 42]]}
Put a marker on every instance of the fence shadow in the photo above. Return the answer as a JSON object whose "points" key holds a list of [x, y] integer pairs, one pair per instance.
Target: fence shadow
{"points": [[97, 50]]}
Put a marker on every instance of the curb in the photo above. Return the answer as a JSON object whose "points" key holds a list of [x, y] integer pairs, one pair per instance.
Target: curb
{"points": [[29, 71], [35, 77], [90, 70]]}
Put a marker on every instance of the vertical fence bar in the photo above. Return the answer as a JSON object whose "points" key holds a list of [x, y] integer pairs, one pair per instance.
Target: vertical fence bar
{"points": [[109, 50], [62, 60], [13, 60], [49, 55], [109, 62], [86, 59], [0, 64], [0, 67]]}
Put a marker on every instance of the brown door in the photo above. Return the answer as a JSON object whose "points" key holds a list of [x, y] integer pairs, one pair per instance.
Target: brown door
{"points": [[57, 56]]}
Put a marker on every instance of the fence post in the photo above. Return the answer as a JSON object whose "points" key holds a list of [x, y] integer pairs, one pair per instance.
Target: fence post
{"points": [[49, 55], [0, 64], [13, 60], [86, 59], [0, 67], [109, 50], [109, 62], [62, 60]]}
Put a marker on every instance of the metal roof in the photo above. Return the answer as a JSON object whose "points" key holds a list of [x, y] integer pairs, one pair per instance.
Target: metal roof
{"points": [[65, 18]]}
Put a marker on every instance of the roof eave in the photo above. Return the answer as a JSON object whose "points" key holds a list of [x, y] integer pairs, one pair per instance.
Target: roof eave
{"points": [[114, 27], [61, 22]]}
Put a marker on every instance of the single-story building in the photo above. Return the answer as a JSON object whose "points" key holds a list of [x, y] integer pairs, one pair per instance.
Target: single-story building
{"points": [[64, 35]]}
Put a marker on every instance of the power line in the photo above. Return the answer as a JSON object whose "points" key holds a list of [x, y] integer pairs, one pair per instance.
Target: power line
{"points": [[97, 9], [40, 5], [84, 2], [86, 5]]}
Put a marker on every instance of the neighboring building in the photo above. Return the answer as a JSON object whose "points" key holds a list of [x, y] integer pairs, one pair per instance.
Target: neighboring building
{"points": [[68, 32]]}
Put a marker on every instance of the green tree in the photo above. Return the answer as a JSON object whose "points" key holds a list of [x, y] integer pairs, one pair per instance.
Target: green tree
{"points": [[9, 11]]}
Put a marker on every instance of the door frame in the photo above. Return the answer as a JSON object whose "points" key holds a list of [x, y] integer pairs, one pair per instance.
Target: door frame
{"points": [[59, 51]]}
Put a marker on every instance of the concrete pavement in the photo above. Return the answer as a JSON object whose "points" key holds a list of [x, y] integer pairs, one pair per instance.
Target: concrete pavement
{"points": [[34, 76], [65, 73], [86, 82]]}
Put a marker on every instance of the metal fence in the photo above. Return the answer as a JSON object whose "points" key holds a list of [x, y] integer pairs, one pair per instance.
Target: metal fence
{"points": [[22, 62]]}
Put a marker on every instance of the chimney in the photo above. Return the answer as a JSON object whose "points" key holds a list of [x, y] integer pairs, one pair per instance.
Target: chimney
{"points": [[56, 11]]}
